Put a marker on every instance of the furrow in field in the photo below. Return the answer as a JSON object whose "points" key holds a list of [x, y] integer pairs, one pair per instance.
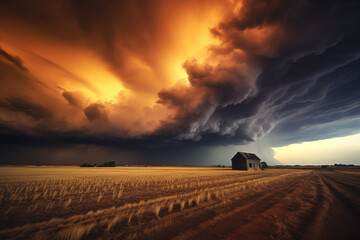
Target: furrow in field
{"points": [[239, 220], [316, 225], [287, 217], [350, 182], [197, 224], [34, 198], [332, 213], [348, 196], [69, 227], [191, 218]]}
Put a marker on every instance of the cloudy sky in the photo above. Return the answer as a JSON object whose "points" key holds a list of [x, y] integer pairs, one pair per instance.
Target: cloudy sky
{"points": [[179, 82]]}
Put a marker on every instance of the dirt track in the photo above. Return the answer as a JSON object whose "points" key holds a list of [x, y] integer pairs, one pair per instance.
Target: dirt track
{"points": [[300, 204], [316, 205]]}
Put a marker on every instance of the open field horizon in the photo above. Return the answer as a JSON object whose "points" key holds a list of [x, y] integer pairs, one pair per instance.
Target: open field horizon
{"points": [[175, 92], [178, 203]]}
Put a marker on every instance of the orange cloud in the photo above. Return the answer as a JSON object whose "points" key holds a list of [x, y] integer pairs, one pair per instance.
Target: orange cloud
{"points": [[88, 64]]}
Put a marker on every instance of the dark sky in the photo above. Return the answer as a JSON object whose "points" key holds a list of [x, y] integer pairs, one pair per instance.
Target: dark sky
{"points": [[174, 82]]}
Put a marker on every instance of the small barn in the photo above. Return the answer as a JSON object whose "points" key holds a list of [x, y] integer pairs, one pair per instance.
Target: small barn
{"points": [[245, 161]]}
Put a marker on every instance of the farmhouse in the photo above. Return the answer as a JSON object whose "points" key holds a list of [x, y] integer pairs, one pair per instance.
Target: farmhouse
{"points": [[245, 161]]}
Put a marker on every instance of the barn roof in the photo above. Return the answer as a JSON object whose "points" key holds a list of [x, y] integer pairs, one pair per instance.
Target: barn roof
{"points": [[244, 155]]}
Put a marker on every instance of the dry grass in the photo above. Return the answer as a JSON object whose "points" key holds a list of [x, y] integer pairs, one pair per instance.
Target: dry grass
{"points": [[71, 202]]}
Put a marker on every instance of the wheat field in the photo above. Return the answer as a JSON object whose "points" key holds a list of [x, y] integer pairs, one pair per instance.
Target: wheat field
{"points": [[62, 202]]}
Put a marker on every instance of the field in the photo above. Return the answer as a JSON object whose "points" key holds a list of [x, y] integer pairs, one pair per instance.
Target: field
{"points": [[178, 203]]}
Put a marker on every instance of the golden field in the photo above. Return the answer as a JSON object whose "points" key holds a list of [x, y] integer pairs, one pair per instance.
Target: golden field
{"points": [[62, 202]]}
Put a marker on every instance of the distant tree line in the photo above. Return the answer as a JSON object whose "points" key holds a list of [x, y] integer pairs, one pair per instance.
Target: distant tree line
{"points": [[263, 165], [105, 164]]}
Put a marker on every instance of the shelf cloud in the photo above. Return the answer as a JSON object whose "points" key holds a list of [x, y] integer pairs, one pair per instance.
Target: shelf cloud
{"points": [[139, 76]]}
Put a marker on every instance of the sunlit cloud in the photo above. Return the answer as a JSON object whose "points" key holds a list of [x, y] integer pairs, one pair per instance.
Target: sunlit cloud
{"points": [[329, 151], [134, 74]]}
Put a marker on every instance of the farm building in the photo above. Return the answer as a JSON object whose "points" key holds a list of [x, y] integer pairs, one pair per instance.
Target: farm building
{"points": [[245, 161]]}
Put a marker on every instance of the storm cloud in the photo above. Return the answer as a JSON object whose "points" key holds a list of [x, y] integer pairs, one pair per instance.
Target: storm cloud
{"points": [[287, 71], [304, 58], [14, 59]]}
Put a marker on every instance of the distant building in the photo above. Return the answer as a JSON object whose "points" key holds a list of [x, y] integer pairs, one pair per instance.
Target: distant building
{"points": [[245, 161]]}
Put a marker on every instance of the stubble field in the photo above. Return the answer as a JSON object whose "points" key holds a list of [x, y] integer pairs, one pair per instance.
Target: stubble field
{"points": [[178, 203]]}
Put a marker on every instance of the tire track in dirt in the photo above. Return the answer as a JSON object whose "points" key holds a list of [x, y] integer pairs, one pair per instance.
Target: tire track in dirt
{"points": [[351, 185], [348, 196], [315, 227], [335, 220]]}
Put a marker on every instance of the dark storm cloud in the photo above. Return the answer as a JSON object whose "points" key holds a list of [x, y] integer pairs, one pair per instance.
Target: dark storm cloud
{"points": [[72, 99], [230, 82], [328, 97], [286, 69], [333, 108], [31, 109], [95, 112], [308, 73], [14, 59]]}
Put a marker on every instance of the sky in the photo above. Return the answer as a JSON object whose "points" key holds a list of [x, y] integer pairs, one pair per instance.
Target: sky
{"points": [[179, 82]]}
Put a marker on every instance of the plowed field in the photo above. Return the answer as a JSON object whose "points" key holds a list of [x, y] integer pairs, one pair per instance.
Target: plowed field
{"points": [[178, 203]]}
